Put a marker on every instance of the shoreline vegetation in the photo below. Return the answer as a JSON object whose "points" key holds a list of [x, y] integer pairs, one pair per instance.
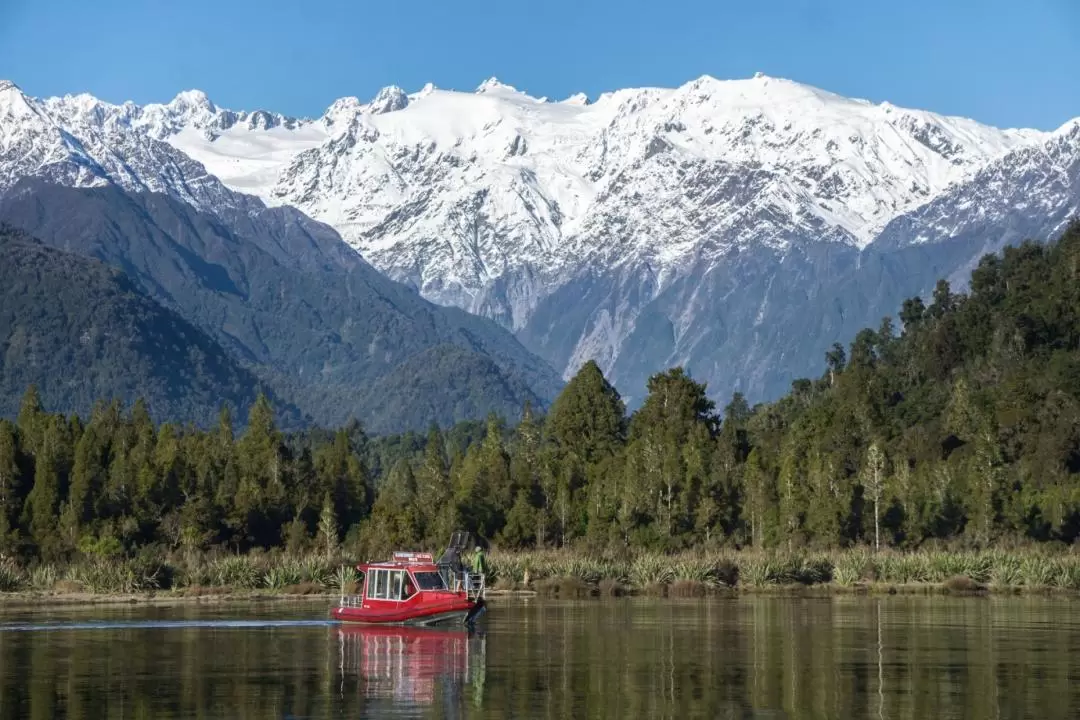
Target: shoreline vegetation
{"points": [[949, 445], [559, 574]]}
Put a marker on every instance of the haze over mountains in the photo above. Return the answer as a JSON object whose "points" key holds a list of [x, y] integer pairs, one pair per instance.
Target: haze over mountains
{"points": [[737, 227]]}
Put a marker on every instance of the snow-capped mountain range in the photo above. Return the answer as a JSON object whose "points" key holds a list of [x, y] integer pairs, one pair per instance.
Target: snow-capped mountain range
{"points": [[590, 228]]}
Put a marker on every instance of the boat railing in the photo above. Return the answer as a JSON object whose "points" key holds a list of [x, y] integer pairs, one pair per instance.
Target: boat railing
{"points": [[351, 601], [475, 585], [472, 584]]}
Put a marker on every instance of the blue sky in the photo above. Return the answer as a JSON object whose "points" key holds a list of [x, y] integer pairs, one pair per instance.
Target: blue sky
{"points": [[1005, 63]]}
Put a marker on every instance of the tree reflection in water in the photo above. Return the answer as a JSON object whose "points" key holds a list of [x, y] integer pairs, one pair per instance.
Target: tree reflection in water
{"points": [[884, 658]]}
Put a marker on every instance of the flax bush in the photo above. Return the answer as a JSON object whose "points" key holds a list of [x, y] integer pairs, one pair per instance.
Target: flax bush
{"points": [[12, 577]]}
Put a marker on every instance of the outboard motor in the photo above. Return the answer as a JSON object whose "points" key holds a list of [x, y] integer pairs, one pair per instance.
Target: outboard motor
{"points": [[481, 607]]}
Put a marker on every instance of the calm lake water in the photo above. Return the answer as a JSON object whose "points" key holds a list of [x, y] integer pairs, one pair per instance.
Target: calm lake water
{"points": [[747, 657]]}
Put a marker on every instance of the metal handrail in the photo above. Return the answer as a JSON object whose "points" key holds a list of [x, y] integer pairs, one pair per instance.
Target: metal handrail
{"points": [[475, 585]]}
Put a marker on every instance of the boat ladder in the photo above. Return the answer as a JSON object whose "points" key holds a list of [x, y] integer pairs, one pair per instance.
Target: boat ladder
{"points": [[475, 585]]}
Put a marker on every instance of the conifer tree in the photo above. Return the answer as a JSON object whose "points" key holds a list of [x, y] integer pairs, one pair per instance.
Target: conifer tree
{"points": [[42, 504], [328, 528], [521, 526], [586, 426], [874, 483], [10, 490], [435, 494]]}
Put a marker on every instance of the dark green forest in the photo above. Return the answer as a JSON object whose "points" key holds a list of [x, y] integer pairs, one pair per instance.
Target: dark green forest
{"points": [[956, 423], [82, 330]]}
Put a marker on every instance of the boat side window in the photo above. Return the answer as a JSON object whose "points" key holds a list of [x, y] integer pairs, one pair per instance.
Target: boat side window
{"points": [[378, 584], [395, 584], [429, 581]]}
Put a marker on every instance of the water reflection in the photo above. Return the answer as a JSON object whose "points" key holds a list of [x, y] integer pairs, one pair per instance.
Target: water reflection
{"points": [[412, 666], [891, 658]]}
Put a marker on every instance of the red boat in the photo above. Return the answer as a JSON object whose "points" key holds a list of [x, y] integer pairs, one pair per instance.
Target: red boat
{"points": [[413, 589]]}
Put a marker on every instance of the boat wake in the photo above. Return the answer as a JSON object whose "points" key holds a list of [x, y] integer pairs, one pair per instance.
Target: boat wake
{"points": [[160, 625]]}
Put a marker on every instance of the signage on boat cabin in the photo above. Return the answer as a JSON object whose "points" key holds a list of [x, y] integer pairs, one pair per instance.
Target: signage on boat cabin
{"points": [[413, 557]]}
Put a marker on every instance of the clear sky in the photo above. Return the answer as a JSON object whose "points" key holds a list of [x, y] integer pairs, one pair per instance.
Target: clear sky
{"points": [[1005, 62]]}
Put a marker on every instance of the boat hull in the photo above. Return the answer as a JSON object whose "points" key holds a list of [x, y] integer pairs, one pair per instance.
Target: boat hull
{"points": [[456, 617], [451, 612]]}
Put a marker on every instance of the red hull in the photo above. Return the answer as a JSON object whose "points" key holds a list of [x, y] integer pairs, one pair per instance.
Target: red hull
{"points": [[423, 608]]}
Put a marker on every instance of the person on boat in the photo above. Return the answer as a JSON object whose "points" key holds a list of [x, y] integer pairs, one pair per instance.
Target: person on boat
{"points": [[479, 563]]}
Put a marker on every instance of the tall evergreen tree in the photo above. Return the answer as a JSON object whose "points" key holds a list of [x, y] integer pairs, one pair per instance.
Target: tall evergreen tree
{"points": [[260, 465], [10, 490], [42, 504], [585, 427], [522, 522], [434, 490]]}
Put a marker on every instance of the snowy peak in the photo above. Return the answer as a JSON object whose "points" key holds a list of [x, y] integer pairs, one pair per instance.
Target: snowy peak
{"points": [[80, 141], [341, 112], [588, 226], [492, 84], [1069, 129], [1031, 191], [428, 89], [388, 99], [193, 111], [459, 192], [14, 105], [761, 92], [192, 100]]}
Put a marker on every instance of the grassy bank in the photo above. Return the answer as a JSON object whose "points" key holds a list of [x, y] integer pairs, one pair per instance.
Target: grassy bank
{"points": [[569, 573], [560, 573], [242, 576]]}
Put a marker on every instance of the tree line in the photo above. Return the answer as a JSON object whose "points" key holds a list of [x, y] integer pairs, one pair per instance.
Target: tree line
{"points": [[962, 426]]}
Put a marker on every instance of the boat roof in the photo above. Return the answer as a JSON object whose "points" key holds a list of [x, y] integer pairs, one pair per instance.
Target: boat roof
{"points": [[404, 561]]}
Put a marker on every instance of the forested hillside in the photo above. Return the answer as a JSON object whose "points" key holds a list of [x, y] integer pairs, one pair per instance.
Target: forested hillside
{"points": [[81, 330], [963, 426], [289, 301]]}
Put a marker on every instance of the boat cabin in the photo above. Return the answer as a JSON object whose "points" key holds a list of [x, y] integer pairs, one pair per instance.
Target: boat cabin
{"points": [[401, 578], [413, 588], [409, 573]]}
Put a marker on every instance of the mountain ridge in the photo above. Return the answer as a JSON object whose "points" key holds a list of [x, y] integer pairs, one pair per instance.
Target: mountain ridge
{"points": [[319, 332], [82, 331], [643, 201]]}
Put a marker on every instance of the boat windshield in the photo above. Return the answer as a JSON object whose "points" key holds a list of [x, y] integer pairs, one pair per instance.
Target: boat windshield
{"points": [[429, 581]]}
